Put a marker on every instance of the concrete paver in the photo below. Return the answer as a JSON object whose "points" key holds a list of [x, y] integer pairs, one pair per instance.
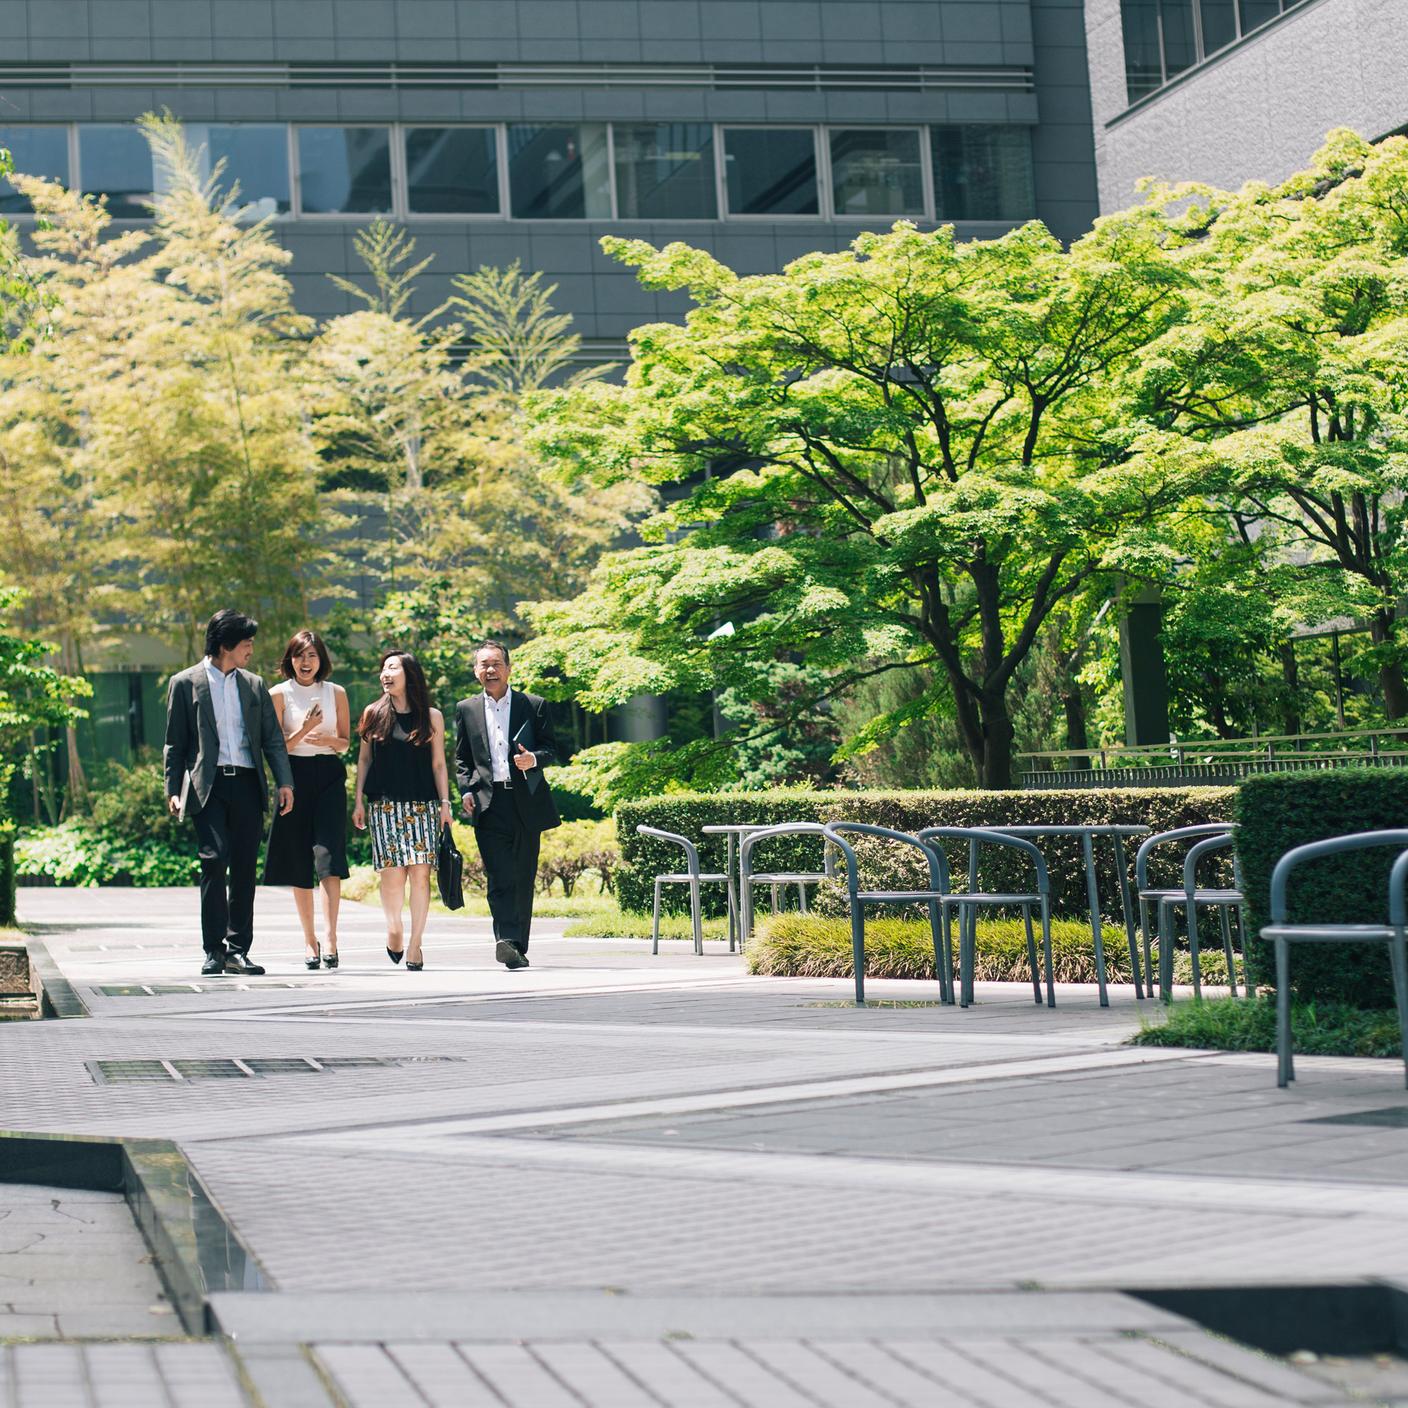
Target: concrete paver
{"points": [[617, 1179]]}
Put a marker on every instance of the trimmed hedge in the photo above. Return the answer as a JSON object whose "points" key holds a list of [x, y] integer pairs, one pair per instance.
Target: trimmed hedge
{"points": [[889, 866], [1284, 810], [7, 875]]}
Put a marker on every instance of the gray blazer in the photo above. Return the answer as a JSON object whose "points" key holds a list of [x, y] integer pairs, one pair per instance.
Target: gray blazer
{"points": [[192, 748]]}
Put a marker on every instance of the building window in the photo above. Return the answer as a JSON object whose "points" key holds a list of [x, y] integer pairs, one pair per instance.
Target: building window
{"points": [[559, 172], [344, 170], [452, 171], [983, 173], [256, 160], [771, 171], [876, 172], [665, 171], [35, 151], [1163, 38], [115, 161]]}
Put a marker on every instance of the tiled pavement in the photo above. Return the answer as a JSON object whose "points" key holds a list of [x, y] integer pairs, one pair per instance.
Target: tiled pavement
{"points": [[612, 1179]]}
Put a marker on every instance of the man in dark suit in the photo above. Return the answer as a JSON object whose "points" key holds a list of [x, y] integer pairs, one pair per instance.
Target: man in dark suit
{"points": [[503, 741], [220, 728]]}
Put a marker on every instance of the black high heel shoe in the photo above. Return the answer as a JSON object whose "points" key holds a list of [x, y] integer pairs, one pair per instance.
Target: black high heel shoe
{"points": [[311, 964], [415, 967], [329, 960], [395, 954]]}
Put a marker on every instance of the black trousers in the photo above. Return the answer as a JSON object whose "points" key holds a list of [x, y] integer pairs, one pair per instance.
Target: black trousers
{"points": [[508, 847], [229, 828]]}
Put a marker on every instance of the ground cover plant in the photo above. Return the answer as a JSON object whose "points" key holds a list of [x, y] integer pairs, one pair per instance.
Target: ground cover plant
{"points": [[1321, 1028]]}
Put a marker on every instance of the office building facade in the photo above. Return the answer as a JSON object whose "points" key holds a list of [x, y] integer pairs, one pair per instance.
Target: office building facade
{"points": [[501, 130], [1230, 91]]}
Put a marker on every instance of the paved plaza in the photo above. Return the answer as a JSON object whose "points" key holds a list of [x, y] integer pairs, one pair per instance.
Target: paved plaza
{"points": [[612, 1179]]}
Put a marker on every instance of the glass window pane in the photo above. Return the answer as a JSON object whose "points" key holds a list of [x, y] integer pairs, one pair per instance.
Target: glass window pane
{"points": [[1219, 24], [256, 160], [344, 170], [35, 151], [559, 172], [874, 172], [1257, 12], [1143, 67], [452, 170], [1179, 50], [983, 173], [116, 162], [665, 171], [770, 171]]}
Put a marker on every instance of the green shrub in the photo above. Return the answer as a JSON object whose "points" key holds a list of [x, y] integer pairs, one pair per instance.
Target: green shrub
{"points": [[888, 866], [575, 849], [129, 804], [809, 946], [77, 853], [1234, 1024], [1278, 812], [7, 874]]}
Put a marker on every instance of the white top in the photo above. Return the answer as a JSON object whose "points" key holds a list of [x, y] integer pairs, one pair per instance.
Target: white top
{"points": [[229, 718], [298, 699], [496, 726]]}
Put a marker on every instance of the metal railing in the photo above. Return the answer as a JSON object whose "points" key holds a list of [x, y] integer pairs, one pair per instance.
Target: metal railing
{"points": [[1214, 761]]}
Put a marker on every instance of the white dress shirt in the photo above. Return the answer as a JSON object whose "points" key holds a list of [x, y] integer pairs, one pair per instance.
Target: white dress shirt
{"points": [[496, 727], [229, 718]]}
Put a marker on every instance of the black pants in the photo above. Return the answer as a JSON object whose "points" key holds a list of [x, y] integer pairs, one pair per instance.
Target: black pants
{"points": [[508, 847], [229, 828]]}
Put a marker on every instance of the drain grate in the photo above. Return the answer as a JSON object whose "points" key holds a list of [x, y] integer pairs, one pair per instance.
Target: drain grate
{"points": [[871, 1003], [1395, 1117], [235, 1068], [168, 989]]}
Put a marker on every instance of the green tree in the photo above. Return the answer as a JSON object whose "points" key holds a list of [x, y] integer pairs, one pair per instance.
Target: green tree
{"points": [[884, 460]]}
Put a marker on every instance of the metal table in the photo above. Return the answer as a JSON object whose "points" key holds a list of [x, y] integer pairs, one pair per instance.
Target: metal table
{"points": [[1117, 832], [735, 831]]}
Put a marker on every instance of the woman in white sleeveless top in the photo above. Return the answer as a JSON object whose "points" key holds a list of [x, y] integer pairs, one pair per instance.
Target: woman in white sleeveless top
{"points": [[308, 847]]}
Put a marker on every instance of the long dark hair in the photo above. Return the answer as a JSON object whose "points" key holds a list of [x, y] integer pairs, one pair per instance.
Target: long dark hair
{"points": [[380, 718]]}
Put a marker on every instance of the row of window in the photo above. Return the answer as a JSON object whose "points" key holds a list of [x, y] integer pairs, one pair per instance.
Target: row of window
{"points": [[1162, 38], [561, 171]]}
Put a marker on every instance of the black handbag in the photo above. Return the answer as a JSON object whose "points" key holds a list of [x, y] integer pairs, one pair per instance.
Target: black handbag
{"points": [[449, 871]]}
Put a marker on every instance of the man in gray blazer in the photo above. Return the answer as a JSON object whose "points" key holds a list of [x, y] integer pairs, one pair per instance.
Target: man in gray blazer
{"points": [[220, 728]]}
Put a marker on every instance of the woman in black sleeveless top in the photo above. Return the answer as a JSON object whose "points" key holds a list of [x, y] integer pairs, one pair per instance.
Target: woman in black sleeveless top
{"points": [[403, 790]]}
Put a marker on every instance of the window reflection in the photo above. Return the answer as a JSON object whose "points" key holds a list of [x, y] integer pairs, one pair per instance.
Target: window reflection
{"points": [[115, 161], [983, 172], [255, 155], [452, 170], [876, 172], [559, 172], [34, 151], [771, 171], [665, 171], [344, 170]]}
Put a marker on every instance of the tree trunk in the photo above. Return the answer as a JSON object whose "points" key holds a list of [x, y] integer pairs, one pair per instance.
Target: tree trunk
{"points": [[1077, 738], [995, 764], [1290, 673], [1391, 681]]}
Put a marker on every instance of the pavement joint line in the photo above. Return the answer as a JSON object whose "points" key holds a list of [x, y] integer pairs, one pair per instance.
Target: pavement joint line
{"points": [[823, 1089], [1322, 1198]]}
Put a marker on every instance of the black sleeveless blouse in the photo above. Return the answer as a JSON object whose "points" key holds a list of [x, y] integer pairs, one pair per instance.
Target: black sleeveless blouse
{"points": [[400, 770]]}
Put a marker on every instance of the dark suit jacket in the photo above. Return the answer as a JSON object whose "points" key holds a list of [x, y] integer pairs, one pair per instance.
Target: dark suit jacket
{"points": [[474, 766], [192, 748]]}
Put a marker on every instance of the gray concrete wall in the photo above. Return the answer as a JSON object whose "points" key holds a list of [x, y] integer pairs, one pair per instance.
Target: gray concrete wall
{"points": [[1043, 35], [1259, 110]]}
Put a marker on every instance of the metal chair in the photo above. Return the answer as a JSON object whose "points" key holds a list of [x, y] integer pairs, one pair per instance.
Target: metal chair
{"points": [[969, 903], [748, 877], [836, 832], [1283, 934], [694, 878], [1148, 896], [1192, 898]]}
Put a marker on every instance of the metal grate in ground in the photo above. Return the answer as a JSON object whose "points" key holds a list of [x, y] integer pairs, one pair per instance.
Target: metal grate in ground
{"points": [[113, 1072]]}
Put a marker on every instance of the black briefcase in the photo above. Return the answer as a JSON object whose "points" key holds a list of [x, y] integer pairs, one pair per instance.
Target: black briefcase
{"points": [[449, 871]]}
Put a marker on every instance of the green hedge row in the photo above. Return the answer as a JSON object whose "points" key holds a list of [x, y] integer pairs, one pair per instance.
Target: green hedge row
{"points": [[1281, 811], [889, 866], [7, 874]]}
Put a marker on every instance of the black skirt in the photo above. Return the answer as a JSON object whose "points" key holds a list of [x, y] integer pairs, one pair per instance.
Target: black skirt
{"points": [[310, 843]]}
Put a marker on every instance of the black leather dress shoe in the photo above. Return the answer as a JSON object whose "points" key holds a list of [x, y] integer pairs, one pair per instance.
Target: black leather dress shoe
{"points": [[213, 966], [239, 963], [508, 955]]}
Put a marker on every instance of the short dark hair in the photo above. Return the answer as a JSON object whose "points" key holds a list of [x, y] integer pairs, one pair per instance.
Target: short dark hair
{"points": [[492, 645], [226, 629], [298, 643]]}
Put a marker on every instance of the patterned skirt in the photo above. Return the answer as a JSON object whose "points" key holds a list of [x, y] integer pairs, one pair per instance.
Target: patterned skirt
{"points": [[403, 833]]}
